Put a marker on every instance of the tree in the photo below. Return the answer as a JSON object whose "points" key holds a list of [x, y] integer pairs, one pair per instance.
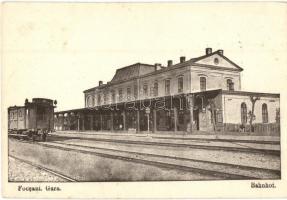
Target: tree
{"points": [[252, 117]]}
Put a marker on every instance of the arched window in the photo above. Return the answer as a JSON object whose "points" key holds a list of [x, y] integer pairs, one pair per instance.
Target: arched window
{"points": [[264, 113], [89, 101], [230, 84], [243, 113], [202, 83]]}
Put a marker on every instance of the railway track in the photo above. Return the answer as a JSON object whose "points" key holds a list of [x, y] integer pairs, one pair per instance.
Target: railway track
{"points": [[216, 169], [197, 146], [68, 179]]}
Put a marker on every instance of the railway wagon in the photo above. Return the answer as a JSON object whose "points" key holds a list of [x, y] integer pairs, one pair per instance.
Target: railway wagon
{"points": [[33, 121]]}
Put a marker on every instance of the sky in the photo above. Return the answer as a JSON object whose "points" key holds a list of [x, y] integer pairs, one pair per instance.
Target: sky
{"points": [[57, 50]]}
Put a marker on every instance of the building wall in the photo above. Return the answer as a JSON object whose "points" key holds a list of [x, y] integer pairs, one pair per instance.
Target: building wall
{"points": [[232, 108], [132, 84], [215, 79], [160, 78], [108, 90], [139, 83]]}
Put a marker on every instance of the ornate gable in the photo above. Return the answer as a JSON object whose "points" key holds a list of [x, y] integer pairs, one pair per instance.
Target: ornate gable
{"points": [[217, 60]]}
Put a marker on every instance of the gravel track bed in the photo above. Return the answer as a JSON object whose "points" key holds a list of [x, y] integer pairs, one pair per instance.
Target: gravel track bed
{"points": [[236, 171], [236, 158], [22, 172], [87, 167]]}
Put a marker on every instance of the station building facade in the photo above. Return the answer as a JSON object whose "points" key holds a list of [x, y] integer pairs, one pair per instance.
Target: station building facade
{"points": [[198, 94]]}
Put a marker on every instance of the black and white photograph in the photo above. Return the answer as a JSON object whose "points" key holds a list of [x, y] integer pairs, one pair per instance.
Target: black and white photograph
{"points": [[144, 94]]}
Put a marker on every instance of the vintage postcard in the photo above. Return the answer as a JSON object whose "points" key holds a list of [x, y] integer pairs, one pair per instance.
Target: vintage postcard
{"points": [[144, 100]]}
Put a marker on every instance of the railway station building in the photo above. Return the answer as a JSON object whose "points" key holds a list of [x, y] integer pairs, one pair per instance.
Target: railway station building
{"points": [[197, 94]]}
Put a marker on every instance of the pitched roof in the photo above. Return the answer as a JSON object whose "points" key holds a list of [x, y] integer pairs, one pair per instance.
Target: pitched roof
{"points": [[126, 73], [132, 71]]}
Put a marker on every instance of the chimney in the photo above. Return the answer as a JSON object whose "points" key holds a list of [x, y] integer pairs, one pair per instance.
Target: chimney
{"points": [[157, 66], [220, 51], [182, 59], [208, 51], [100, 83], [169, 63]]}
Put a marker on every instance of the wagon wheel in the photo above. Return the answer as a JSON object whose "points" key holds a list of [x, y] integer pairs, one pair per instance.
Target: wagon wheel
{"points": [[30, 135], [44, 136], [33, 138]]}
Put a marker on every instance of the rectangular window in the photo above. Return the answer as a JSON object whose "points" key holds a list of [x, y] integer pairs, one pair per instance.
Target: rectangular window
{"points": [[180, 84], [167, 86], [230, 85], [129, 93], [202, 83], [105, 98], [145, 90], [135, 92], [99, 99], [113, 97], [20, 113], [219, 118], [155, 89], [120, 94]]}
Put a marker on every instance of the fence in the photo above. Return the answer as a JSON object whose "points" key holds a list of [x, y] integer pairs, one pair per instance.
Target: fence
{"points": [[258, 129]]}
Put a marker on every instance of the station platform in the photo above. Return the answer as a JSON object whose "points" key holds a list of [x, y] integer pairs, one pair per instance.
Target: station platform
{"points": [[240, 137]]}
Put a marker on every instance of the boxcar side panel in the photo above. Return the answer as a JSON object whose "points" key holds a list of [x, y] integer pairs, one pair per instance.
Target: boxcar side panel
{"points": [[13, 122], [21, 118], [17, 118]]}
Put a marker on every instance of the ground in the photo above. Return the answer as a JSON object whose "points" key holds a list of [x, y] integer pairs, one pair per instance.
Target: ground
{"points": [[87, 167], [83, 167], [20, 171]]}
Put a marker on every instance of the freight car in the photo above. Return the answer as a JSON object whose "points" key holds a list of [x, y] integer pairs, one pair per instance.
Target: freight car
{"points": [[32, 121]]}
